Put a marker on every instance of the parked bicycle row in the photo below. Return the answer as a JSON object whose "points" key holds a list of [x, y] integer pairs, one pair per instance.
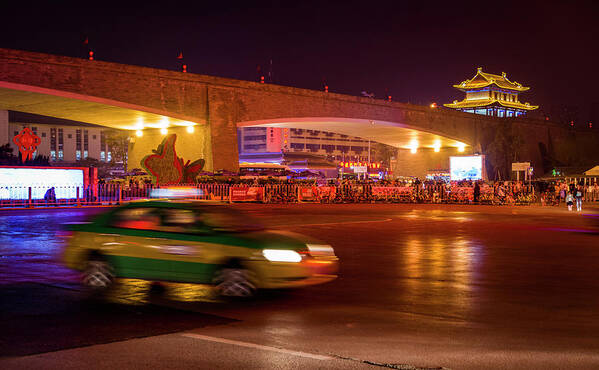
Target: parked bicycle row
{"points": [[108, 194]]}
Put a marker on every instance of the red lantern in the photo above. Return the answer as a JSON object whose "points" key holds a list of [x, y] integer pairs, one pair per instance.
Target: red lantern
{"points": [[27, 142]]}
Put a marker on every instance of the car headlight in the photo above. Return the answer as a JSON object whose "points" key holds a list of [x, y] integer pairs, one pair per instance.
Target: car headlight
{"points": [[281, 255]]}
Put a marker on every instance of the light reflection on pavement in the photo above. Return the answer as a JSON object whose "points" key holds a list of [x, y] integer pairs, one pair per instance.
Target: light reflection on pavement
{"points": [[451, 280]]}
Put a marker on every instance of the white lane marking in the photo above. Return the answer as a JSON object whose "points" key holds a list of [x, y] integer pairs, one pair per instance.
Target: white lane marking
{"points": [[257, 346], [337, 223]]}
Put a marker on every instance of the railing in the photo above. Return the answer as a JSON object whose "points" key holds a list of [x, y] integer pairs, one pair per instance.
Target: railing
{"points": [[112, 194]]}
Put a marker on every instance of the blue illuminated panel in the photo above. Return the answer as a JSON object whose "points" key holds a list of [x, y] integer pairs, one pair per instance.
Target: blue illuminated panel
{"points": [[465, 168]]}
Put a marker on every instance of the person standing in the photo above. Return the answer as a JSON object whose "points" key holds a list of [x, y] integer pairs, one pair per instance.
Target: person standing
{"points": [[569, 201], [476, 192], [578, 198]]}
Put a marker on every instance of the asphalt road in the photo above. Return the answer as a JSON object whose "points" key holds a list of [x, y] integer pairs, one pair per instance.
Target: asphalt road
{"points": [[462, 287]]}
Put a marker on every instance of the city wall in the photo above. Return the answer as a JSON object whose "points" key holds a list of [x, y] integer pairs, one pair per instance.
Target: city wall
{"points": [[218, 104]]}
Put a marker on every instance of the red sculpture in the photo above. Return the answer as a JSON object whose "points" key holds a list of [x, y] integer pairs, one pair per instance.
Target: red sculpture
{"points": [[27, 142], [166, 168]]}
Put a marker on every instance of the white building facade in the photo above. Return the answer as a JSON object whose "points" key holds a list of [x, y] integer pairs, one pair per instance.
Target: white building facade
{"points": [[59, 142], [334, 146]]}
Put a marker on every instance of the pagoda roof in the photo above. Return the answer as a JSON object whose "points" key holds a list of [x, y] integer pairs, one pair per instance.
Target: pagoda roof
{"points": [[483, 79], [474, 103]]}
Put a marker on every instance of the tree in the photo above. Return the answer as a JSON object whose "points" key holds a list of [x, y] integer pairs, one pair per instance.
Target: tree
{"points": [[383, 153], [118, 144], [504, 149], [5, 151]]}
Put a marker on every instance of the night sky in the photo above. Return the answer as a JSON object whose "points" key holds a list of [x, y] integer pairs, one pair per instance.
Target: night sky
{"points": [[416, 50]]}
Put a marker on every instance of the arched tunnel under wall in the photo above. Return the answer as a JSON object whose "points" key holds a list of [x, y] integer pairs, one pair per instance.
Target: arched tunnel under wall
{"points": [[420, 163]]}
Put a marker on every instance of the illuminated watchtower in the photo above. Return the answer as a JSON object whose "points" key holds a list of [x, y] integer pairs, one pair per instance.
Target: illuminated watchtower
{"points": [[491, 95]]}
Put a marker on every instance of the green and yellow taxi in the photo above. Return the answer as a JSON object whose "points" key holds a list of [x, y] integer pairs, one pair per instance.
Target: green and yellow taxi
{"points": [[194, 242]]}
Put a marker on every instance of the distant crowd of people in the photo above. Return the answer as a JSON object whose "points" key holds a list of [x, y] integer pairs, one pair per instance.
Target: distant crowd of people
{"points": [[569, 194]]}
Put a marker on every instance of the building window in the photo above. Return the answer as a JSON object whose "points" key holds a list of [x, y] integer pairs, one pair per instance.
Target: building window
{"points": [[109, 157], [78, 141], [43, 134], [102, 156], [85, 141], [328, 148], [53, 155], [254, 146], [85, 154], [60, 142], [102, 141], [94, 137], [70, 136], [53, 140], [78, 154], [297, 146], [60, 155], [255, 137]]}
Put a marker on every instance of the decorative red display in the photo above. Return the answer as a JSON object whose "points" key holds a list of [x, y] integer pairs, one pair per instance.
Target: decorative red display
{"points": [[27, 142], [167, 168]]}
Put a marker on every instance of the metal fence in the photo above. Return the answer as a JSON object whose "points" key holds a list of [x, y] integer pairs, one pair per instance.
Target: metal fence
{"points": [[112, 194]]}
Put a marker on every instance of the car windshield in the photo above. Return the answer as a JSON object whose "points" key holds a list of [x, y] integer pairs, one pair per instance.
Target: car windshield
{"points": [[223, 218]]}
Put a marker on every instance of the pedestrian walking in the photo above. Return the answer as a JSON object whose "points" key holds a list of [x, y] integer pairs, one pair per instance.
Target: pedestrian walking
{"points": [[578, 199]]}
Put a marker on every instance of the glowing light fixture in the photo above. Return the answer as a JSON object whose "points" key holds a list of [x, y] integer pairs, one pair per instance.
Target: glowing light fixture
{"points": [[413, 146], [437, 146], [163, 131], [139, 133], [461, 147], [190, 129]]}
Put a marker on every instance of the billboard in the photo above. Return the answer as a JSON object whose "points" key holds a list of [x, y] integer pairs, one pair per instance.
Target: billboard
{"points": [[15, 182], [466, 168]]}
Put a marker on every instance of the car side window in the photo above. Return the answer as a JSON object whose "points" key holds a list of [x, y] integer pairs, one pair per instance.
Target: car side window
{"points": [[180, 221], [143, 218]]}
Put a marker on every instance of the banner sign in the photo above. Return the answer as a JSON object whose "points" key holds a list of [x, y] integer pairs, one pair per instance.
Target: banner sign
{"points": [[520, 166], [307, 193], [247, 194], [315, 193]]}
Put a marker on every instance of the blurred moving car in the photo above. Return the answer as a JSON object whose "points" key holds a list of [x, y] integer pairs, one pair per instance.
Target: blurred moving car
{"points": [[194, 242]]}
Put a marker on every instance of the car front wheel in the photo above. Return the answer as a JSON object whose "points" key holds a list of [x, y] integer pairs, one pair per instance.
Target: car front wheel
{"points": [[98, 274], [235, 282]]}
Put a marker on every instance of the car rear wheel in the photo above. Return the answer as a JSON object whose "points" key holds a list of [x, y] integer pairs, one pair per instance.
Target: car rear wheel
{"points": [[235, 282], [98, 273]]}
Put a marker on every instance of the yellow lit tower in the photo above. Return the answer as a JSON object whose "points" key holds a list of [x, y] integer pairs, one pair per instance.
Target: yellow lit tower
{"points": [[491, 95]]}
